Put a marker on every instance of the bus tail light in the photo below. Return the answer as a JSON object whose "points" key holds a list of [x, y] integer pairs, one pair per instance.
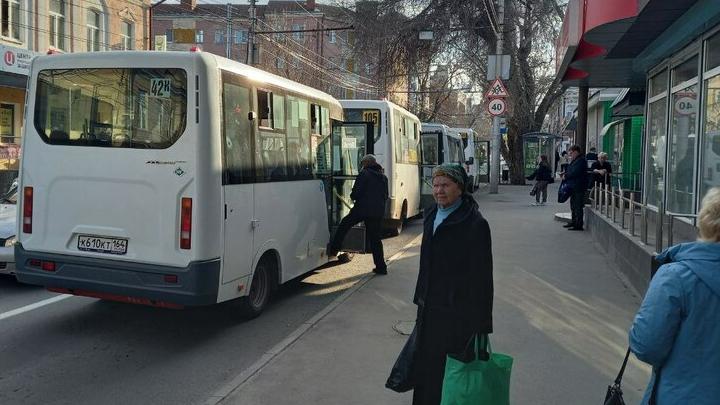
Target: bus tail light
{"points": [[27, 209], [185, 223]]}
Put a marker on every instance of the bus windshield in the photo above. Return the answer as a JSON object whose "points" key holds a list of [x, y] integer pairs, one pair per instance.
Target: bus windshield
{"points": [[127, 108]]}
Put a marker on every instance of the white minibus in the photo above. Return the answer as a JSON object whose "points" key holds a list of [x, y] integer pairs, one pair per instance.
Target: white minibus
{"points": [[475, 152], [439, 145], [178, 178], [397, 148]]}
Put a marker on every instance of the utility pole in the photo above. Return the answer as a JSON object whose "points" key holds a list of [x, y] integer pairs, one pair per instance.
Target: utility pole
{"points": [[496, 136], [251, 34], [228, 32]]}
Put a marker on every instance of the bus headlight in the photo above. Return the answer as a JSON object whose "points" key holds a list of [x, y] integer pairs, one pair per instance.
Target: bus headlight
{"points": [[11, 241]]}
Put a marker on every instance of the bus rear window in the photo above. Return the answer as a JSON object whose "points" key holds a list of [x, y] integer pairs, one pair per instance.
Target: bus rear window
{"points": [[124, 108]]}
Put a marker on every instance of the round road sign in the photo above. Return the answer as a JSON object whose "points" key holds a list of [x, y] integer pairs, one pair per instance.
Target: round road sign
{"points": [[496, 106]]}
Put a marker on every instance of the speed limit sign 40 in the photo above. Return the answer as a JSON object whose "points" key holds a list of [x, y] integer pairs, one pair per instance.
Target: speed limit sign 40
{"points": [[497, 106]]}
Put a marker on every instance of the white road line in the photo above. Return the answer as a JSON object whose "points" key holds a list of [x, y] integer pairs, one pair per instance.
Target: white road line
{"points": [[275, 351], [28, 308]]}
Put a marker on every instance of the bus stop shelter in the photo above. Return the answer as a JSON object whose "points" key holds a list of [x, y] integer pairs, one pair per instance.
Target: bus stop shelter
{"points": [[536, 144]]}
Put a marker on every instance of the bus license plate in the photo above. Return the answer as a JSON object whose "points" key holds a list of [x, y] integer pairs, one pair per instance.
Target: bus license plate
{"points": [[101, 244]]}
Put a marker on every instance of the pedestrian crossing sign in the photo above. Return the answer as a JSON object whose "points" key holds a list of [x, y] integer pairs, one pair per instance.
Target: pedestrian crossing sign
{"points": [[497, 89]]}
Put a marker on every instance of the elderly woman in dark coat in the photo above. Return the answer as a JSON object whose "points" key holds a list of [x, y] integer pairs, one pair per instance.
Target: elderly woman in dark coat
{"points": [[454, 292]]}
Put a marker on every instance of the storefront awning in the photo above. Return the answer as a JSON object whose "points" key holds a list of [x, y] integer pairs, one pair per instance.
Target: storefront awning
{"points": [[629, 103], [610, 126], [600, 39]]}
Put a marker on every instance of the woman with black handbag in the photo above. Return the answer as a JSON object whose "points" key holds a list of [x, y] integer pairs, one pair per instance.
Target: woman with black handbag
{"points": [[542, 176]]}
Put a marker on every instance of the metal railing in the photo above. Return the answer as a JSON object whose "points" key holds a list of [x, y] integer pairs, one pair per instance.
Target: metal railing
{"points": [[620, 206]]}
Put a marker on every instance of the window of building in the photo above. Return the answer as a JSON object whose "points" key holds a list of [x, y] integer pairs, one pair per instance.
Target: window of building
{"points": [[712, 52], [298, 35], [658, 84], [685, 71], [10, 17], [199, 36], [127, 35], [169, 35], [57, 23], [656, 139], [93, 30], [333, 36], [296, 62], [241, 36], [680, 195], [280, 63], [219, 37]]}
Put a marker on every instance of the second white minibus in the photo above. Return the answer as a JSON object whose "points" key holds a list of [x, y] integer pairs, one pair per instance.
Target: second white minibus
{"points": [[439, 145], [397, 147]]}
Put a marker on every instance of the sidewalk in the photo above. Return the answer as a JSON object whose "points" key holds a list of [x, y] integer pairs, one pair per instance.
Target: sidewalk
{"points": [[560, 310]]}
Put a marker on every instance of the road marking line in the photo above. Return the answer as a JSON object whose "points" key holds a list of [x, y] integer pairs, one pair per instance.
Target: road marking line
{"points": [[236, 383], [28, 308]]}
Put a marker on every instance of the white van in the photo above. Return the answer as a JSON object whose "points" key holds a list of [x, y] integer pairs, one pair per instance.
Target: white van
{"points": [[439, 145], [177, 178]]}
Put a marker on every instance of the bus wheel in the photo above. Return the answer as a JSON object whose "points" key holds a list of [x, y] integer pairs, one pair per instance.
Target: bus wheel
{"points": [[397, 230], [345, 257], [260, 290]]}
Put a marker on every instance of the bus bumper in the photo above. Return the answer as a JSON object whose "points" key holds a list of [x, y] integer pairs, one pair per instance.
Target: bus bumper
{"points": [[164, 286]]}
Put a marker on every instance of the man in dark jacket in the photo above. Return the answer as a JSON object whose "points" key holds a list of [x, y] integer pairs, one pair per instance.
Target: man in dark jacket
{"points": [[370, 193], [576, 177]]}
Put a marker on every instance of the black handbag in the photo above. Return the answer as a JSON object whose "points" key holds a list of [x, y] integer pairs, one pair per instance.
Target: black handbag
{"points": [[402, 375], [614, 395]]}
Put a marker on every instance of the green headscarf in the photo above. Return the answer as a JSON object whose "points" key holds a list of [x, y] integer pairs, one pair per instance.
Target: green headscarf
{"points": [[453, 171]]}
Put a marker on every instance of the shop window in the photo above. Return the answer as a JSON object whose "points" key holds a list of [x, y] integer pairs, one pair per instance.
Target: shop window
{"points": [[199, 36], [712, 52], [10, 16], [656, 141], [710, 169], [685, 71], [681, 157], [7, 123], [658, 84], [298, 33]]}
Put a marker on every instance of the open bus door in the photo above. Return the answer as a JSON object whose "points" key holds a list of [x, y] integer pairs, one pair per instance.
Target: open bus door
{"points": [[350, 142], [432, 155]]}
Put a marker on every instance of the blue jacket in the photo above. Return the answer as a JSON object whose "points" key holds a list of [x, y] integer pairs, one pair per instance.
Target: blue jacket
{"points": [[677, 329], [576, 175]]}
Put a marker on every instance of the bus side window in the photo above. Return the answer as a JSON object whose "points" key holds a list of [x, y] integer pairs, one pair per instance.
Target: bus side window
{"points": [[315, 118], [264, 108], [237, 134]]}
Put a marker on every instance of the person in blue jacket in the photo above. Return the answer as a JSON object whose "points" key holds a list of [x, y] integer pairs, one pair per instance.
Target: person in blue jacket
{"points": [[677, 329]]}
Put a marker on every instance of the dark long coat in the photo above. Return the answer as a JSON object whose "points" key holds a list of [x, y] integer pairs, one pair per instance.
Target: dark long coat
{"points": [[454, 293]]}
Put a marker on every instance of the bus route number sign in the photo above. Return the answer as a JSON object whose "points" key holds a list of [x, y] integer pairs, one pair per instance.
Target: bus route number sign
{"points": [[372, 116], [160, 88]]}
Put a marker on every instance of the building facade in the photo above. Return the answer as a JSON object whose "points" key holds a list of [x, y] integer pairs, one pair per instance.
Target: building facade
{"points": [[303, 41]]}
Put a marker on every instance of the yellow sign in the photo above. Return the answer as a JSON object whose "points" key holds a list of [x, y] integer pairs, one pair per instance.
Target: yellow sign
{"points": [[372, 116], [184, 36]]}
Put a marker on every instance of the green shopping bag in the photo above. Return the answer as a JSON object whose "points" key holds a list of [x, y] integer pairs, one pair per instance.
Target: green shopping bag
{"points": [[482, 378]]}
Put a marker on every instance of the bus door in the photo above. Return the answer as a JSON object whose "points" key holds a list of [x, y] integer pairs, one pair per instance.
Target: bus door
{"points": [[350, 142], [483, 160], [432, 155]]}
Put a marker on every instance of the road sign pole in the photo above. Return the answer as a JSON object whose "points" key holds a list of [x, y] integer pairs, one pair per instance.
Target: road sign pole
{"points": [[496, 136]]}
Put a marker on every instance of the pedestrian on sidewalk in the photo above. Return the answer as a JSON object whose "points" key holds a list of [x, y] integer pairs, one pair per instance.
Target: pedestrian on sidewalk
{"points": [[677, 329], [576, 178], [542, 176], [370, 192], [601, 170], [454, 291]]}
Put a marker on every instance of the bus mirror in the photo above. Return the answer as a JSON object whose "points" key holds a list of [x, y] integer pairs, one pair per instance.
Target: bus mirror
{"points": [[251, 116]]}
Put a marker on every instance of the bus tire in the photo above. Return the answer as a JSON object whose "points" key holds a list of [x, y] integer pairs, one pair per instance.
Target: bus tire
{"points": [[397, 229], [261, 289], [345, 257]]}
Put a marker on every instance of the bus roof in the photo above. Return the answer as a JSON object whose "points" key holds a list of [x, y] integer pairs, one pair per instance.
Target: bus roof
{"points": [[158, 59]]}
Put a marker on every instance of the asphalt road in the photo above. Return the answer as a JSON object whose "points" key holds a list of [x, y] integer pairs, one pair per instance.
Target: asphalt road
{"points": [[85, 351]]}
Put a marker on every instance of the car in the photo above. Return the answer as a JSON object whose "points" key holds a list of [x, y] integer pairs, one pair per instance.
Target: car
{"points": [[8, 225]]}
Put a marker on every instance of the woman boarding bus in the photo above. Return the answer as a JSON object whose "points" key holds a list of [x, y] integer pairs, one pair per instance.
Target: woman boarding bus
{"points": [[397, 148], [153, 178]]}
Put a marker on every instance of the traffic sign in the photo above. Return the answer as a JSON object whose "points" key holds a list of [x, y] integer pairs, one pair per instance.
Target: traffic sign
{"points": [[497, 106], [497, 89], [685, 104]]}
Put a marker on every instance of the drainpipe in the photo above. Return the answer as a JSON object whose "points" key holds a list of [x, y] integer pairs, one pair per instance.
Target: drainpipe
{"points": [[151, 45]]}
